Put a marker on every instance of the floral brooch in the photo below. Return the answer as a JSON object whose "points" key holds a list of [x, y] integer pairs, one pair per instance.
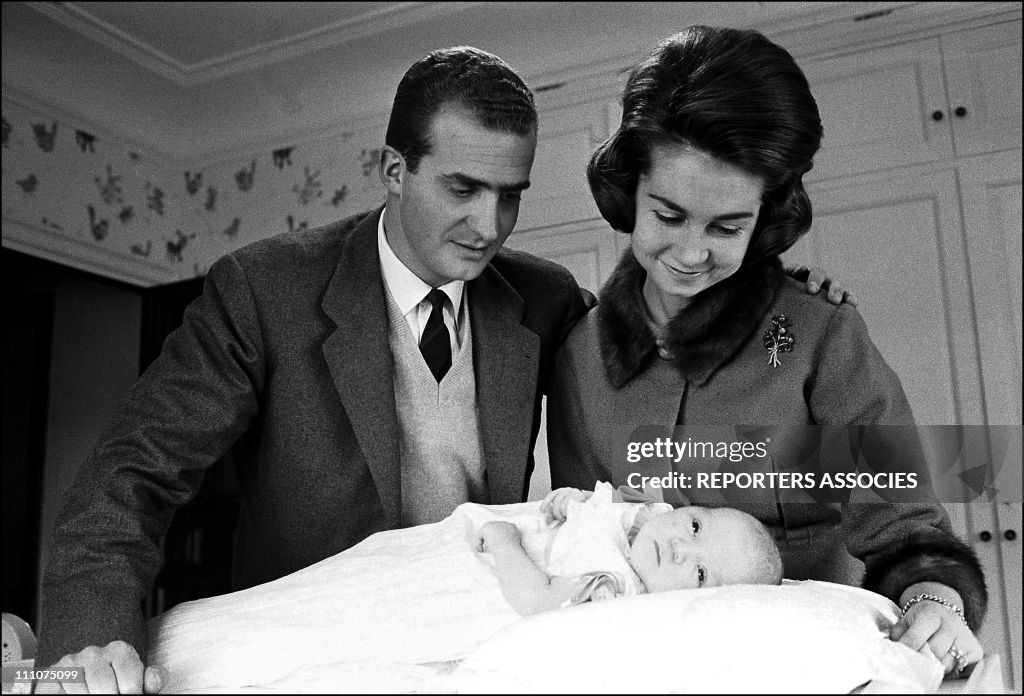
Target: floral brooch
{"points": [[778, 339]]}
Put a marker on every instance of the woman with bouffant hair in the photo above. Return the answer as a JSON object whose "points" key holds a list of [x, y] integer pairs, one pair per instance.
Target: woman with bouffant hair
{"points": [[699, 327], [732, 95]]}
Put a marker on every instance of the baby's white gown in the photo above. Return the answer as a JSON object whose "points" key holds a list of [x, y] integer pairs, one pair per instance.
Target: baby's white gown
{"points": [[389, 614]]}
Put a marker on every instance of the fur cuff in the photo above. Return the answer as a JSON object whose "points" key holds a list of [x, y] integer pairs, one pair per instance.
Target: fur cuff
{"points": [[929, 559]]}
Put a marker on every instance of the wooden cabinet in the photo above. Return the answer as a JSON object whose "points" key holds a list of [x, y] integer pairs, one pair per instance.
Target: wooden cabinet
{"points": [[918, 207], [876, 108], [991, 198], [991, 205], [980, 64], [897, 240], [933, 253], [588, 248], [919, 101]]}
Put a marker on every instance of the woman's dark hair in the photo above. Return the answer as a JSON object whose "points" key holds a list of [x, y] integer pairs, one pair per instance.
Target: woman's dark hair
{"points": [[733, 94], [468, 77]]}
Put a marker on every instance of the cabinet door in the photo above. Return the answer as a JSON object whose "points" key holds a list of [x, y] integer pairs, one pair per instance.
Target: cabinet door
{"points": [[1001, 559], [991, 191], [895, 240], [559, 192], [1009, 520], [983, 75], [876, 108], [586, 248]]}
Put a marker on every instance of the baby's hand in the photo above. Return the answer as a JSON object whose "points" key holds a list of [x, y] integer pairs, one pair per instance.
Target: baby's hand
{"points": [[495, 534], [556, 503]]}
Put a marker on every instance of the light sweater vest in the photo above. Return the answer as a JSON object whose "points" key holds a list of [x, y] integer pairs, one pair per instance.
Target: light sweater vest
{"points": [[441, 455]]}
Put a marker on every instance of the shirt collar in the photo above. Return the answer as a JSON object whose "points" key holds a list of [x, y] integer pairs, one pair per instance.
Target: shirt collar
{"points": [[406, 287]]}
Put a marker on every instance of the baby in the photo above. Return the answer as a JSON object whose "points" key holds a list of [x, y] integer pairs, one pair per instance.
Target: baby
{"points": [[607, 549]]}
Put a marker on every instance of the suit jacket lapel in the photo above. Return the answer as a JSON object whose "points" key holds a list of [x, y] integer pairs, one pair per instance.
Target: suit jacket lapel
{"points": [[358, 354], [506, 358]]}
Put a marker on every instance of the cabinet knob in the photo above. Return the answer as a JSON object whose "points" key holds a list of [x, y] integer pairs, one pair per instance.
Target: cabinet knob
{"points": [[960, 112], [1010, 534], [985, 536], [937, 115]]}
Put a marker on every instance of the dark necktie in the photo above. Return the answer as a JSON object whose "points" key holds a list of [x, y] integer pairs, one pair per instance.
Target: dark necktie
{"points": [[435, 344]]}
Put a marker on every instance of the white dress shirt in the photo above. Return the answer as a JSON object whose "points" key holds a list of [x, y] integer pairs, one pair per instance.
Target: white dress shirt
{"points": [[410, 294]]}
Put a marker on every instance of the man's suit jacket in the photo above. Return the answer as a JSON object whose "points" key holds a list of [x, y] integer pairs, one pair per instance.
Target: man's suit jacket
{"points": [[285, 361]]}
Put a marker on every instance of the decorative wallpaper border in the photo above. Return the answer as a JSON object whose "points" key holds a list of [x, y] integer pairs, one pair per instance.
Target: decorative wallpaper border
{"points": [[95, 203]]}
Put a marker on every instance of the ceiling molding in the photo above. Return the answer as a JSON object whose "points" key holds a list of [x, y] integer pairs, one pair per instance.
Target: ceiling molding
{"points": [[834, 29], [68, 251], [395, 16], [831, 29], [145, 150], [113, 38], [879, 24]]}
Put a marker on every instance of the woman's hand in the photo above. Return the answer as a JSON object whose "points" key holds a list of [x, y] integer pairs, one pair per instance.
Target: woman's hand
{"points": [[556, 503], [496, 534], [930, 628]]}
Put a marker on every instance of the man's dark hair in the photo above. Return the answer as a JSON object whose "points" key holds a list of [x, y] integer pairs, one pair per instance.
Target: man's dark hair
{"points": [[463, 76]]}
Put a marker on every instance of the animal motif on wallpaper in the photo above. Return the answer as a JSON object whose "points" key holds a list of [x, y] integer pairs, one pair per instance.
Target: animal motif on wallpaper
{"points": [[5, 131], [193, 182], [154, 198], [140, 250], [126, 214], [29, 184], [86, 141], [98, 226], [52, 225], [283, 157], [211, 198], [310, 188], [292, 227], [339, 195], [177, 246], [45, 138], [110, 188], [245, 178], [368, 160], [232, 229]]}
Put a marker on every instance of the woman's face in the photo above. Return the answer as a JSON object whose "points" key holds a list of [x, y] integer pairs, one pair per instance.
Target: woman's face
{"points": [[694, 219]]}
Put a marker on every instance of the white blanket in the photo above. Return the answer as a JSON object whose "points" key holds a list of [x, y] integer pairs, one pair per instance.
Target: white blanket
{"points": [[420, 610], [355, 621]]}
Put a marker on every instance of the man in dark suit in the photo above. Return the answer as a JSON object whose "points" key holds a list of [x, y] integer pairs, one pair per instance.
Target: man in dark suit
{"points": [[353, 399]]}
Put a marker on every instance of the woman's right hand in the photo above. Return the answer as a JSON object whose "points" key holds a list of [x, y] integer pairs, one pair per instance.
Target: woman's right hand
{"points": [[930, 628], [556, 503]]}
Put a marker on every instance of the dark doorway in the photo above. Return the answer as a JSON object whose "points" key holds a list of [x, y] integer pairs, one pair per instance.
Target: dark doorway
{"points": [[30, 290]]}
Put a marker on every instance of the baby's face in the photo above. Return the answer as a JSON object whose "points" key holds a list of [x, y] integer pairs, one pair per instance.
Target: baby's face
{"points": [[696, 547]]}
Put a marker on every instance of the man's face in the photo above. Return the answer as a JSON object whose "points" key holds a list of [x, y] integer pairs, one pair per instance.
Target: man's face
{"points": [[447, 220]]}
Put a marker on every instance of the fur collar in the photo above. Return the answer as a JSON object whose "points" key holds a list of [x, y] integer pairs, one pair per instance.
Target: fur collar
{"points": [[701, 338]]}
